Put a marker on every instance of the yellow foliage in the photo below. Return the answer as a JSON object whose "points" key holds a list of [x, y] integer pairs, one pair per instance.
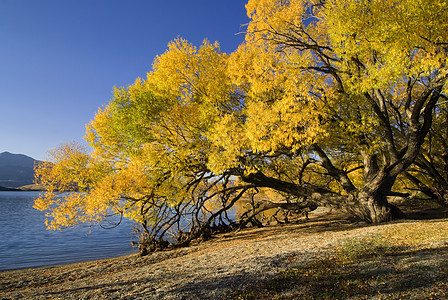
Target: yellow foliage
{"points": [[403, 41], [71, 172], [309, 72]]}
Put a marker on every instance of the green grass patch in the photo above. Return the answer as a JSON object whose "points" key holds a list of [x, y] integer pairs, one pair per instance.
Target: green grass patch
{"points": [[367, 246]]}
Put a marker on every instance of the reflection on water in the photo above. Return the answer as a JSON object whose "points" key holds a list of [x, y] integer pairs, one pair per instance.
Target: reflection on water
{"points": [[25, 242]]}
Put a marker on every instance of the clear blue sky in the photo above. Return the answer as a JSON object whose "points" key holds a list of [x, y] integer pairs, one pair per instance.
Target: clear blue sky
{"points": [[60, 59]]}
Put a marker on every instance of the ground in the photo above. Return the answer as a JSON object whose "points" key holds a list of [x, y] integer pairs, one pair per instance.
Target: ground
{"points": [[325, 257]]}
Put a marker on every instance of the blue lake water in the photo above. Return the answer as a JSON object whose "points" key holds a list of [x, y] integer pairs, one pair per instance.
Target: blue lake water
{"points": [[25, 242]]}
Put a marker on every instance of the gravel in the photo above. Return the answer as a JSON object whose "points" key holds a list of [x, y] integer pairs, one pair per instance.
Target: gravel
{"points": [[210, 270]]}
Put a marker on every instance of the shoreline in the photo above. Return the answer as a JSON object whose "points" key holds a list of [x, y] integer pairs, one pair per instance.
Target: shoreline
{"points": [[210, 270], [67, 263], [214, 268], [21, 189]]}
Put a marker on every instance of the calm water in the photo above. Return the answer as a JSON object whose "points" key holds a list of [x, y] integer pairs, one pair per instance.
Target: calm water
{"points": [[25, 243]]}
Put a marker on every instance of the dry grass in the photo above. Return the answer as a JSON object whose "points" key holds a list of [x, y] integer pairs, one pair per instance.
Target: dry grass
{"points": [[406, 260]]}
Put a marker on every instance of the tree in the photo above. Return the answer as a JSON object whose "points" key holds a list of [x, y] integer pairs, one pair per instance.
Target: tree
{"points": [[150, 154], [367, 80], [326, 103], [429, 172]]}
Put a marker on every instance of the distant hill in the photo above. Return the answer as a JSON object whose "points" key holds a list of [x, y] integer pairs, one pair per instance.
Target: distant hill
{"points": [[5, 189], [16, 170]]}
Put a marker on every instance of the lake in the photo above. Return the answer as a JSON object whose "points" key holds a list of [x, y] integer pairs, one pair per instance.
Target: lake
{"points": [[25, 242]]}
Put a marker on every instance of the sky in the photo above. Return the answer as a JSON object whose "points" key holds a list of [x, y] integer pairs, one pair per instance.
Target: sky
{"points": [[60, 59]]}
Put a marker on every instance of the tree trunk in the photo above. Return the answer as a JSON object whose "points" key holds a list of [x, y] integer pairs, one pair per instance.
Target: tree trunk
{"points": [[374, 208], [368, 204]]}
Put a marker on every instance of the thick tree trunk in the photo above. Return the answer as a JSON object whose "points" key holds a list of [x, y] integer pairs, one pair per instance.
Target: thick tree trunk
{"points": [[369, 204], [374, 208]]}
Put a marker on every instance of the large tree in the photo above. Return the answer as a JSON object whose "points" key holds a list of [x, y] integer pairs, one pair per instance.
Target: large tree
{"points": [[428, 176], [349, 85], [326, 103]]}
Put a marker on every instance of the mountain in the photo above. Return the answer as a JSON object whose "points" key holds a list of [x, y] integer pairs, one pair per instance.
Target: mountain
{"points": [[16, 170]]}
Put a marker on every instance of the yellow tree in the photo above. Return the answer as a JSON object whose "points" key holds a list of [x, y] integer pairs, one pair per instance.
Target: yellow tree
{"points": [[149, 155], [326, 103], [346, 85], [429, 172]]}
